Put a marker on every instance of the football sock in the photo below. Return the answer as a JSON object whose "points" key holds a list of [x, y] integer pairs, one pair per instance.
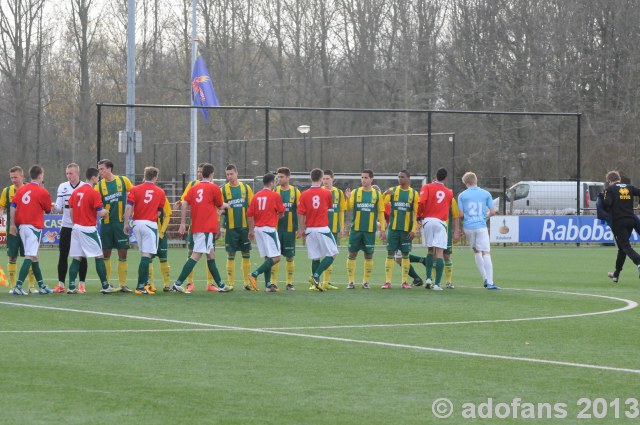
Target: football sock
{"points": [[274, 273], [439, 270], [415, 258], [389, 263], [102, 272], [143, 271], [412, 272], [231, 270], [480, 265], [406, 263], [190, 277], [488, 267], [429, 264], [73, 273], [24, 270], [268, 263], [151, 274], [164, 269], [209, 275], [122, 271], [12, 271], [186, 270], [37, 273], [324, 265], [31, 278], [448, 271], [290, 267], [212, 268], [351, 269], [314, 266], [326, 277], [368, 269], [246, 267], [82, 271], [107, 266]]}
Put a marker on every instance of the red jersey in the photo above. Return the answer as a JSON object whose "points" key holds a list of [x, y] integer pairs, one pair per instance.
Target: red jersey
{"points": [[85, 202], [31, 202], [264, 208], [147, 199], [203, 198], [314, 203], [435, 201]]}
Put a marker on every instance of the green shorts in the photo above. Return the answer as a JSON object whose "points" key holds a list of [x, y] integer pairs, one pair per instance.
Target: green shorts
{"points": [[14, 246], [112, 236], [449, 249], [362, 241], [398, 240], [287, 243], [237, 240], [163, 247]]}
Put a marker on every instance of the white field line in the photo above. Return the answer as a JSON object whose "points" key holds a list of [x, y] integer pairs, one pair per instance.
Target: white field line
{"points": [[351, 340], [629, 305], [110, 331]]}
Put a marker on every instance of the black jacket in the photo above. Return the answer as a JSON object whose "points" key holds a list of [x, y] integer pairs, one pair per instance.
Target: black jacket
{"points": [[618, 200]]}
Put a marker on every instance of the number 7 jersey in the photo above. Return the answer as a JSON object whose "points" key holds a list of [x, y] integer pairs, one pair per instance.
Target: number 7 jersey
{"points": [[85, 202]]}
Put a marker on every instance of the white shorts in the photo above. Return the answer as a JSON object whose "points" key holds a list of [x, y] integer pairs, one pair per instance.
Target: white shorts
{"points": [[434, 233], [320, 243], [30, 237], [268, 241], [478, 239], [85, 242], [146, 233], [203, 243]]}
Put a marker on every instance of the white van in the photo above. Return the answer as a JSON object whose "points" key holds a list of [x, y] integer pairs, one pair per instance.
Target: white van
{"points": [[550, 197]]}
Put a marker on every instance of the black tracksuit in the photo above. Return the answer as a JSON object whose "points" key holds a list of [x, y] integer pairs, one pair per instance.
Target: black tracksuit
{"points": [[618, 202]]}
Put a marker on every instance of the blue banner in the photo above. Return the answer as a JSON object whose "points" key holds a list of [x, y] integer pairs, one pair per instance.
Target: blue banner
{"points": [[551, 229]]}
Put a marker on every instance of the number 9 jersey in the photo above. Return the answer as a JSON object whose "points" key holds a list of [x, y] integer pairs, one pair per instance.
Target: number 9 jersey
{"points": [[435, 200]]}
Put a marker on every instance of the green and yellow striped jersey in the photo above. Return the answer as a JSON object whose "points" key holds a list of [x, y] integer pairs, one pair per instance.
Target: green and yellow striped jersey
{"points": [[404, 208], [164, 217], [238, 197], [367, 207], [290, 197], [189, 186], [5, 201], [114, 197], [336, 212]]}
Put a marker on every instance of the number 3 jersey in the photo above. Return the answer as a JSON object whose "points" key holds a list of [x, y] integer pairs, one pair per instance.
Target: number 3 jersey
{"points": [[31, 201], [147, 200], [203, 199]]}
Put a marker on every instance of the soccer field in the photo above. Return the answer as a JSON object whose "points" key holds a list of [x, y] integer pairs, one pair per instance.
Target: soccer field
{"points": [[559, 334]]}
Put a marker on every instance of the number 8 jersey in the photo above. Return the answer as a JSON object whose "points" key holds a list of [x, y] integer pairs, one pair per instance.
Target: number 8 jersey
{"points": [[314, 204]]}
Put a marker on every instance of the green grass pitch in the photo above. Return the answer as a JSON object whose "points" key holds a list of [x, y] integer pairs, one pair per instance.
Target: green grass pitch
{"points": [[339, 357]]}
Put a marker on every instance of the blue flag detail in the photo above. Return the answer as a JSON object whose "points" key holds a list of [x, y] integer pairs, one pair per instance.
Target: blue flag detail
{"points": [[202, 91]]}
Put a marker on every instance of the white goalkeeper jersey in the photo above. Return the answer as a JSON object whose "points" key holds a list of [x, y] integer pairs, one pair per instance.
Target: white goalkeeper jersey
{"points": [[62, 201]]}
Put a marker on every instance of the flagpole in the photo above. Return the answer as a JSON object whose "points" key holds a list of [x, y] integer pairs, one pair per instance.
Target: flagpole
{"points": [[193, 145]]}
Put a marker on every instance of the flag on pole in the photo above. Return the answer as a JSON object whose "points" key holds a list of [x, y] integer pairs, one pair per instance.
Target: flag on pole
{"points": [[202, 91]]}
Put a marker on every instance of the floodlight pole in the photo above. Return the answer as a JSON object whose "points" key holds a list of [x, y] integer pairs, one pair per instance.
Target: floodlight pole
{"points": [[130, 166], [193, 138]]}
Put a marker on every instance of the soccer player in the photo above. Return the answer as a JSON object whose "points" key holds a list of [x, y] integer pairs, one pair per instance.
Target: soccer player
{"points": [[476, 205], [265, 209], [190, 285], [368, 207], [313, 224], [62, 206], [14, 244], [145, 201], [204, 199], [403, 200], [238, 195], [287, 225], [84, 205], [163, 249], [113, 191], [435, 202], [618, 203], [336, 220], [28, 206]]}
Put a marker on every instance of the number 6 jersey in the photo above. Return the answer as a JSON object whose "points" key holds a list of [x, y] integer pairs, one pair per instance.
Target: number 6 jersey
{"points": [[31, 201]]}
